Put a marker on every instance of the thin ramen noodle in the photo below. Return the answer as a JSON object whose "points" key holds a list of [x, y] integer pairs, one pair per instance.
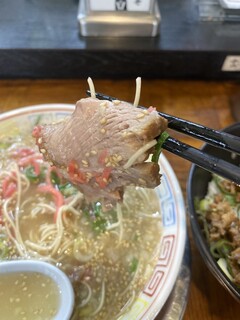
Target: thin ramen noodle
{"points": [[108, 254]]}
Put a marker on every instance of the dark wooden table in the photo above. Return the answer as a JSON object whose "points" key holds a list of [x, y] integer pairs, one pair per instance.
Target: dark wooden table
{"points": [[205, 102]]}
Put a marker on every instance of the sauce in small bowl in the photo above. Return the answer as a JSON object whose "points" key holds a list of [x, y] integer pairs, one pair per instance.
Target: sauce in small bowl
{"points": [[31, 289]]}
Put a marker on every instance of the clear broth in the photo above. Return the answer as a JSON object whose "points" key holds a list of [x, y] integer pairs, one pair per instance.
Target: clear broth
{"points": [[28, 296]]}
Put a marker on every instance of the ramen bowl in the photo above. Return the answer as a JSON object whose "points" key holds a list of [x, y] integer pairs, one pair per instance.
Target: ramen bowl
{"points": [[197, 189], [170, 239]]}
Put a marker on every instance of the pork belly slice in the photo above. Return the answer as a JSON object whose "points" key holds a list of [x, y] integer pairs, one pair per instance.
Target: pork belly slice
{"points": [[93, 146]]}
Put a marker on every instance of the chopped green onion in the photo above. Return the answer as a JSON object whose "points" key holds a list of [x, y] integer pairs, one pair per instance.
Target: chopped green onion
{"points": [[219, 180], [99, 224], [3, 249], [230, 199], [238, 211], [67, 189], [223, 265], [158, 147], [38, 119], [55, 179], [97, 209], [220, 248], [96, 217], [4, 145], [204, 204], [133, 265], [31, 175]]}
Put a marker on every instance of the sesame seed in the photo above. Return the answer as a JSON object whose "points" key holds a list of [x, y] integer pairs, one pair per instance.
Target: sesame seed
{"points": [[103, 121], [87, 154], [140, 115], [124, 134], [93, 152], [42, 150], [85, 162], [40, 140], [108, 164], [116, 102], [103, 104], [102, 130], [142, 181]]}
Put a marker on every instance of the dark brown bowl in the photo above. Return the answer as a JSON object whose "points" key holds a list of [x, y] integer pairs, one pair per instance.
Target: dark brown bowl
{"points": [[197, 188]]}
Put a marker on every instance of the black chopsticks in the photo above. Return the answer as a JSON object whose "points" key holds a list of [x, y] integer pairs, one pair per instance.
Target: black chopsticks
{"points": [[219, 139]]}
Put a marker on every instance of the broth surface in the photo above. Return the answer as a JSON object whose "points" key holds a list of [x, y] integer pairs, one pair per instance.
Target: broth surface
{"points": [[107, 250], [28, 296]]}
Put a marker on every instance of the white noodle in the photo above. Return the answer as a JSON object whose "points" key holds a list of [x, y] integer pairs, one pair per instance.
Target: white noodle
{"points": [[47, 206], [86, 300], [119, 214], [138, 153], [48, 235], [144, 195], [16, 225], [53, 247], [126, 306], [117, 224], [151, 216], [35, 211], [44, 227], [19, 190], [29, 200], [132, 281], [67, 244], [138, 91], [76, 199], [91, 87], [8, 219], [24, 189], [101, 300]]}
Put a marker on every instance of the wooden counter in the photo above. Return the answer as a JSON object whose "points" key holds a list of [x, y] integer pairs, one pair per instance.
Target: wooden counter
{"points": [[205, 102]]}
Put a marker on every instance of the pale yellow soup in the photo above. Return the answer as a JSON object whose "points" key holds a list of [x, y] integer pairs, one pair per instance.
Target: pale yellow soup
{"points": [[28, 296]]}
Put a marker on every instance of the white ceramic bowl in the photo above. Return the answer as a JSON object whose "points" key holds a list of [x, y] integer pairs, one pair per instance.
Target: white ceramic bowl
{"points": [[63, 283], [157, 290]]}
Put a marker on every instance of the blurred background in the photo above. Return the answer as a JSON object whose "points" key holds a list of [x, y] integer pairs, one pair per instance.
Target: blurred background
{"points": [[190, 39]]}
